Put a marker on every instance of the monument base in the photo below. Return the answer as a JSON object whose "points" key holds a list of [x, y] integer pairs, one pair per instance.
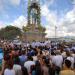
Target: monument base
{"points": [[33, 36], [33, 33]]}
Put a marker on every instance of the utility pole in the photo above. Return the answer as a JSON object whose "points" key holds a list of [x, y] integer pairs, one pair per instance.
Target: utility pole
{"points": [[55, 33]]}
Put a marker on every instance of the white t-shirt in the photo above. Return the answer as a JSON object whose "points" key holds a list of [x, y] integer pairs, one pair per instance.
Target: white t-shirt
{"points": [[35, 58], [16, 67], [72, 60], [9, 72], [57, 60], [64, 54], [28, 65]]}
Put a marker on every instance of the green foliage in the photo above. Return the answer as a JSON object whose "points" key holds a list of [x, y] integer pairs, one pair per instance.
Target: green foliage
{"points": [[41, 29], [10, 32], [30, 27], [25, 29]]}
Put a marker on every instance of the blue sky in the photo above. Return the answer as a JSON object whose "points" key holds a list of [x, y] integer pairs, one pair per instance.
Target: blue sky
{"points": [[11, 11], [14, 11]]}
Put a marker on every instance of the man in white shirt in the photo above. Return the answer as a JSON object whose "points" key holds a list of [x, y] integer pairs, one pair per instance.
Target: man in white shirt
{"points": [[29, 63], [57, 60], [70, 58], [9, 72], [17, 66]]}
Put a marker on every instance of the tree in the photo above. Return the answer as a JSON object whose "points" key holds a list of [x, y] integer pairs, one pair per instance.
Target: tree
{"points": [[10, 32]]}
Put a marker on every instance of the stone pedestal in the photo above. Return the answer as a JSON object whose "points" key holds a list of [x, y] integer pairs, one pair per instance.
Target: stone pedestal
{"points": [[33, 33]]}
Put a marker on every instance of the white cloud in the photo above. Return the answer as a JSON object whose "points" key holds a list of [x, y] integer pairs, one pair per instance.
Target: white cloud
{"points": [[51, 18], [1, 5], [15, 2], [50, 31], [69, 21], [2, 25], [20, 22], [4, 4], [46, 2], [65, 25]]}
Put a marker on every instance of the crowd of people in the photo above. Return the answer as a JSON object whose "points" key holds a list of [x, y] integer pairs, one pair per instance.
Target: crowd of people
{"points": [[38, 58]]}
